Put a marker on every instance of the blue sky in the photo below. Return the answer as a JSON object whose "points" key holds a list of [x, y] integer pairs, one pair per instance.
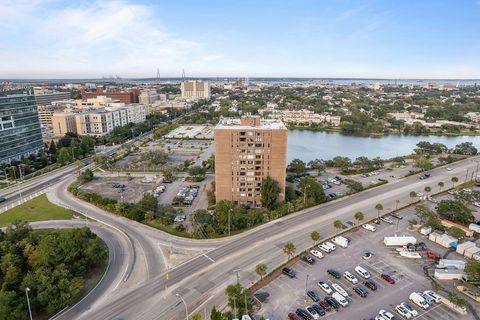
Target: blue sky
{"points": [[304, 38]]}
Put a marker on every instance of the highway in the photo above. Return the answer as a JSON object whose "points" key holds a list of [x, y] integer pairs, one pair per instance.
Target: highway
{"points": [[201, 281]]}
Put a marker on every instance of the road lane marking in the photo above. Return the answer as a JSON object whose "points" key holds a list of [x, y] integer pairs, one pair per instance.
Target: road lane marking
{"points": [[208, 257]]}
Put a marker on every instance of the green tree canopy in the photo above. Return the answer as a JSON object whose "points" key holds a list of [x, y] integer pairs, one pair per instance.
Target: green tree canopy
{"points": [[312, 189], [455, 211], [270, 191]]}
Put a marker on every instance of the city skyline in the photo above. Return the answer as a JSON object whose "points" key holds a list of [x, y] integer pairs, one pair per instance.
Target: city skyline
{"points": [[321, 39]]}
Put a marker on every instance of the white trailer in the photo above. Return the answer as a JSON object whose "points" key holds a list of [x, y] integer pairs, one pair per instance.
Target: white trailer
{"points": [[463, 246], [399, 241], [469, 252], [448, 274], [474, 227], [447, 263]]}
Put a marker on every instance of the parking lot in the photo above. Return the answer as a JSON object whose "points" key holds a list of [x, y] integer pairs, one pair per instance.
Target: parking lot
{"points": [[286, 295]]}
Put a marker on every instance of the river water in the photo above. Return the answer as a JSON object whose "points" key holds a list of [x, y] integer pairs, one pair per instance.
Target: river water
{"points": [[309, 145]]}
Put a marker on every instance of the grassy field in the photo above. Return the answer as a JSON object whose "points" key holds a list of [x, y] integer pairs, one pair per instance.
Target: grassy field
{"points": [[37, 209]]}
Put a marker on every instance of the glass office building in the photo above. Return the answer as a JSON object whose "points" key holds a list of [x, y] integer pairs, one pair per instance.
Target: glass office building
{"points": [[20, 134]]}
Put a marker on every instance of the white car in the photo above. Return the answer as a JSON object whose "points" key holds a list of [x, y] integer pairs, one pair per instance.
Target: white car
{"points": [[317, 254], [379, 317], [313, 313], [339, 289], [476, 204], [325, 248], [325, 287], [435, 297], [410, 309], [387, 220], [427, 298], [401, 310], [449, 169], [368, 227], [386, 314], [419, 194], [362, 272], [350, 277]]}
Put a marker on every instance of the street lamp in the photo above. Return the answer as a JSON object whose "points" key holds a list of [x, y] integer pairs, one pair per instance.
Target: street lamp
{"points": [[305, 193], [184, 303], [27, 289]]}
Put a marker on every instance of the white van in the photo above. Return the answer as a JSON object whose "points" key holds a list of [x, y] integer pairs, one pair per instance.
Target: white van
{"points": [[416, 298], [368, 227], [362, 272], [340, 241], [331, 245], [341, 299]]}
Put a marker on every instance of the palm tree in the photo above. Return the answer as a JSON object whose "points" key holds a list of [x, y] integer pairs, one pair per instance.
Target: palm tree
{"points": [[289, 249], [315, 236], [396, 204], [413, 195], [427, 190], [454, 180], [440, 185], [379, 208], [261, 270], [337, 224], [359, 216]]}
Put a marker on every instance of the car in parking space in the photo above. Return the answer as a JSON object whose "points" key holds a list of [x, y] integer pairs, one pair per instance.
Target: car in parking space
{"points": [[397, 215], [308, 259], [410, 309], [325, 248], [332, 302], [386, 314], [435, 297], [303, 314], [370, 285], [360, 291], [325, 287], [293, 316], [339, 289], [387, 220], [427, 298], [340, 299], [350, 277], [289, 272], [319, 309], [316, 253], [419, 300], [333, 273], [368, 227], [313, 313], [379, 317], [313, 295], [401, 310], [325, 306], [387, 278], [362, 272]]}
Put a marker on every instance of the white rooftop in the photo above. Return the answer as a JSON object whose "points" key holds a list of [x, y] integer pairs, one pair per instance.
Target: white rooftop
{"points": [[265, 124]]}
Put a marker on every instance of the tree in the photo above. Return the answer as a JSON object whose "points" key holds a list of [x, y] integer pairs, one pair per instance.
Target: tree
{"points": [[359, 216], [167, 174], [53, 148], [353, 185], [317, 164], [455, 211], [261, 270], [337, 224], [289, 249], [270, 191], [197, 173], [290, 193], [440, 186], [297, 167], [86, 176], [196, 316], [155, 157], [454, 180], [236, 297], [427, 217], [64, 156], [472, 269], [465, 148], [423, 163], [412, 195], [427, 190], [312, 190], [379, 208], [456, 232], [215, 315], [315, 236]]}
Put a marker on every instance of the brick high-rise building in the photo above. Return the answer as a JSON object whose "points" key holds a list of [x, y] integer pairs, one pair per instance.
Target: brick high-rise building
{"points": [[248, 150], [126, 96]]}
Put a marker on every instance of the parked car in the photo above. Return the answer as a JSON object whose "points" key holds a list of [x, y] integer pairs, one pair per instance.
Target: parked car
{"points": [[308, 259], [340, 299], [417, 298], [293, 316], [333, 273], [362, 272], [325, 248], [370, 285], [397, 215], [339, 289], [410, 309], [387, 220], [350, 277], [387, 278], [303, 314], [360, 291], [325, 287], [435, 297], [289, 272], [319, 309], [325, 306], [316, 254], [386, 314], [313, 313], [313, 295], [427, 297], [368, 227], [332, 302], [401, 310]]}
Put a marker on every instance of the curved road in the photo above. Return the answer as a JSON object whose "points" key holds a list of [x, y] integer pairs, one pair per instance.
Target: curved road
{"points": [[201, 281]]}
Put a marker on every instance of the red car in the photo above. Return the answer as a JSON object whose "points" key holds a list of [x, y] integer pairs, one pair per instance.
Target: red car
{"points": [[325, 306], [387, 278], [293, 316]]}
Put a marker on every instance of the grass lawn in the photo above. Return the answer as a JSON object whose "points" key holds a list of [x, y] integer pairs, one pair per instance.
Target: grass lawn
{"points": [[37, 209]]}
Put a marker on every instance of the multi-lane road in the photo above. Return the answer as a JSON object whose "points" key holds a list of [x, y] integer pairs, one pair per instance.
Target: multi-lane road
{"points": [[136, 285]]}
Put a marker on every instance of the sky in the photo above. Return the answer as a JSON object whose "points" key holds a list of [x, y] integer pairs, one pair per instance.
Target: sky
{"points": [[262, 38]]}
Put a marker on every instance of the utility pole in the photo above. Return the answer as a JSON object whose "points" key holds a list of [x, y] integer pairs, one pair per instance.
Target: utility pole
{"points": [[466, 176], [27, 289], [229, 213], [306, 289]]}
